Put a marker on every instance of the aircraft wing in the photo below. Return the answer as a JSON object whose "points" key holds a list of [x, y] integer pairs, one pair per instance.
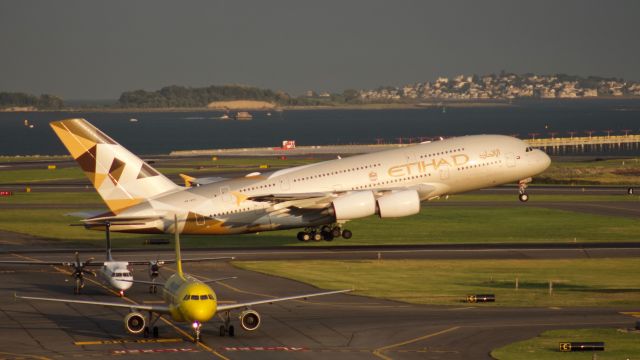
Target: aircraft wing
{"points": [[54, 263], [162, 309], [290, 197], [270, 301], [164, 262], [161, 284]]}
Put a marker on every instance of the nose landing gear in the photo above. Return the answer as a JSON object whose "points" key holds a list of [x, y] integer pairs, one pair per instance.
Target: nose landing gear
{"points": [[522, 190]]}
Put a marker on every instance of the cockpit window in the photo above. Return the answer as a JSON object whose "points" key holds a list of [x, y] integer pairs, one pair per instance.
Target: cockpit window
{"points": [[186, 297], [203, 297], [529, 148], [195, 297], [210, 297]]}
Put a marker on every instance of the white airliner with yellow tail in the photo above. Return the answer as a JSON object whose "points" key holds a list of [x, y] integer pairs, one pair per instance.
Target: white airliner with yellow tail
{"points": [[319, 198], [187, 299]]}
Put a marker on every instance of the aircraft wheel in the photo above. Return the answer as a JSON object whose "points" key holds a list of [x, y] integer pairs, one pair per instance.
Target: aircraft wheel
{"points": [[523, 197], [347, 234], [336, 232], [327, 236], [316, 236], [146, 332], [301, 235], [306, 236], [222, 330], [325, 229], [232, 331], [156, 332]]}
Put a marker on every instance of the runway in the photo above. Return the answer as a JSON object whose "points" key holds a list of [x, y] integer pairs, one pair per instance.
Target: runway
{"points": [[343, 326]]}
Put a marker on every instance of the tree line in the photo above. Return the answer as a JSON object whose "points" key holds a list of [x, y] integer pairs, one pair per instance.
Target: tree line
{"points": [[18, 99]]}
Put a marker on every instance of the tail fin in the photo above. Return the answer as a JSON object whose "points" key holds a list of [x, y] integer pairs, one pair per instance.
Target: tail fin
{"points": [[177, 245], [121, 178]]}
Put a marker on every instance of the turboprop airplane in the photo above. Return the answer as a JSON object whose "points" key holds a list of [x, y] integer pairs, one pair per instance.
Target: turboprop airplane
{"points": [[187, 299], [116, 274], [319, 198]]}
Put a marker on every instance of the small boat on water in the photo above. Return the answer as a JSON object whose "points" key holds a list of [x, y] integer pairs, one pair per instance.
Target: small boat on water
{"points": [[224, 117], [133, 120], [243, 115]]}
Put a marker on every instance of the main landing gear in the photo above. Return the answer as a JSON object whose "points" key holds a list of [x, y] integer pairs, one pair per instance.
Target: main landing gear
{"points": [[152, 329], [227, 328], [522, 190], [326, 232]]}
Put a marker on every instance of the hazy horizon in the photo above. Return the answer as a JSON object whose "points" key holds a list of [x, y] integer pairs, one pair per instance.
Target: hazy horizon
{"points": [[91, 50]]}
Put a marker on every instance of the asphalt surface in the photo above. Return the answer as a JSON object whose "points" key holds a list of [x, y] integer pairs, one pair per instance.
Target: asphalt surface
{"points": [[341, 326]]}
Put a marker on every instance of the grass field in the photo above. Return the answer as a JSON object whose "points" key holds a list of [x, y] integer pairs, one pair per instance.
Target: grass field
{"points": [[577, 282], [619, 344], [455, 224]]}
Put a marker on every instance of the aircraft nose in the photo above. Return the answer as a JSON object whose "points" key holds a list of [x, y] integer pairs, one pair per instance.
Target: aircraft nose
{"points": [[545, 160], [201, 312]]}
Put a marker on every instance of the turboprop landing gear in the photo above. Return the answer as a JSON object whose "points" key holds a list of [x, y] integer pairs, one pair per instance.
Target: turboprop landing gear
{"points": [[522, 190], [227, 328]]}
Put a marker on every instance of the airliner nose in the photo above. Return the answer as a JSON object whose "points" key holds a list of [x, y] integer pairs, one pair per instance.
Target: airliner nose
{"points": [[544, 160]]}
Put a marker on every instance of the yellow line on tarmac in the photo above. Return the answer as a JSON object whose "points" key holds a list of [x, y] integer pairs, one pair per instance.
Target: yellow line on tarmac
{"points": [[379, 352], [25, 356], [125, 341], [200, 344]]}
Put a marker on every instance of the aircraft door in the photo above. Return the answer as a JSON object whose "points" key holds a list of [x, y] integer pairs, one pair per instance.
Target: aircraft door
{"points": [[510, 159], [284, 183], [444, 173], [225, 194], [199, 219]]}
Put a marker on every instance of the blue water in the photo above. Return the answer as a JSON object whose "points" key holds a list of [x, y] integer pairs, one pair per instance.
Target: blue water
{"points": [[160, 133]]}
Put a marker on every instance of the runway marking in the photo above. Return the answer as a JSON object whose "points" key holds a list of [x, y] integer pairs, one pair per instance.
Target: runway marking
{"points": [[185, 334], [379, 351], [19, 356], [126, 341], [635, 314], [152, 351], [263, 348]]}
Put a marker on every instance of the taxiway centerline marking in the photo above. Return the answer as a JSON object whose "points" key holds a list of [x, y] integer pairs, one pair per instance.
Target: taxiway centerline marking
{"points": [[126, 341], [379, 351]]}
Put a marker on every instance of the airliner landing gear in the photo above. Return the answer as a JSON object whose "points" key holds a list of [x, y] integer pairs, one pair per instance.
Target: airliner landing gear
{"points": [[522, 190], [227, 328], [326, 232], [196, 331]]}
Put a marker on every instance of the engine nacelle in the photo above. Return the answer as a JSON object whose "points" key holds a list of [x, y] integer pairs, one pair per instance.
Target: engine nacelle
{"points": [[249, 320], [134, 322], [398, 204], [354, 206]]}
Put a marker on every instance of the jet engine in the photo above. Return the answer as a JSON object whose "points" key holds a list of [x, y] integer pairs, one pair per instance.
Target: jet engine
{"points": [[354, 206], [134, 323], [249, 320], [398, 204]]}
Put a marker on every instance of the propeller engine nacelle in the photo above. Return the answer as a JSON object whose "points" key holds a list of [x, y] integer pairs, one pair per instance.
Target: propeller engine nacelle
{"points": [[134, 323], [249, 320]]}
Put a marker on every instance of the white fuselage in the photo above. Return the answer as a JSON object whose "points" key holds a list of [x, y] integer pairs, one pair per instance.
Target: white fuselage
{"points": [[433, 169], [114, 272]]}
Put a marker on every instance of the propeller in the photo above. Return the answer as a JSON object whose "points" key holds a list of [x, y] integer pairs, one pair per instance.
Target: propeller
{"points": [[79, 267]]}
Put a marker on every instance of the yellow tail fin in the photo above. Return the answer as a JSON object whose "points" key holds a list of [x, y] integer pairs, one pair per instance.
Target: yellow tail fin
{"points": [[177, 245]]}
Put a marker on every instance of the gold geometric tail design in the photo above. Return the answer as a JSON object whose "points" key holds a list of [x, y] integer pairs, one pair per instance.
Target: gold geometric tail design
{"points": [[121, 178]]}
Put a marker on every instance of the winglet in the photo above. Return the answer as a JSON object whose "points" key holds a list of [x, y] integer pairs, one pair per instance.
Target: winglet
{"points": [[177, 245], [188, 180]]}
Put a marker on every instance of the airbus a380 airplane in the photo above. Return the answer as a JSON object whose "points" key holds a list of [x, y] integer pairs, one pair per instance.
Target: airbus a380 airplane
{"points": [[318, 197]]}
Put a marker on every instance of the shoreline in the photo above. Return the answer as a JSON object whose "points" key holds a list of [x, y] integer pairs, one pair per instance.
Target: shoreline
{"points": [[491, 103]]}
